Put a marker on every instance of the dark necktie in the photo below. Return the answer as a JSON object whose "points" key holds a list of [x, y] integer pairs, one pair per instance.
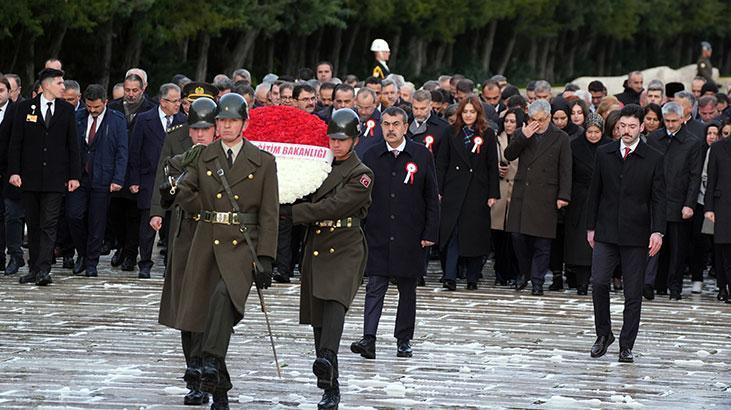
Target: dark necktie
{"points": [[49, 114], [626, 153], [92, 132], [169, 119], [395, 153], [230, 158]]}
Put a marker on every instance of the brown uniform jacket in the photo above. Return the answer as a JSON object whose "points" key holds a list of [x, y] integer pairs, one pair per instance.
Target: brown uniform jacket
{"points": [[220, 250], [334, 258]]}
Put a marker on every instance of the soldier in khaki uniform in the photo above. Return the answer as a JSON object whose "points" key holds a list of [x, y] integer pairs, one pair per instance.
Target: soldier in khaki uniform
{"points": [[201, 127], [704, 67], [229, 238], [335, 249], [177, 141]]}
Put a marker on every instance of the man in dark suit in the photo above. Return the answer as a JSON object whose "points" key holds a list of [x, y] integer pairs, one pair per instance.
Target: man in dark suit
{"points": [[146, 143], [43, 161], [687, 100], [632, 89], [426, 128], [103, 141], [123, 220], [626, 216], [683, 165], [370, 121], [403, 222], [542, 187]]}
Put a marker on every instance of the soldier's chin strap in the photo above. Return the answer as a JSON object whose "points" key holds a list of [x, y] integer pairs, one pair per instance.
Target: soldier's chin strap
{"points": [[257, 264]]}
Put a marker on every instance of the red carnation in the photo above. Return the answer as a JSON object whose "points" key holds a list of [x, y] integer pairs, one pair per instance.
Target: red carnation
{"points": [[286, 124]]}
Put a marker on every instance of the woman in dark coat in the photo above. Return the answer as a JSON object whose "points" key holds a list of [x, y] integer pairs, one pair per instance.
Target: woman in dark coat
{"points": [[561, 118], [718, 210], [577, 252], [467, 172]]}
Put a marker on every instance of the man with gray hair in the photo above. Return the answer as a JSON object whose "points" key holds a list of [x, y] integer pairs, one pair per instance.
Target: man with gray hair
{"points": [[543, 90], [708, 109], [426, 128], [542, 187], [145, 144], [656, 92], [72, 94], [682, 166], [688, 102], [261, 95], [632, 89], [241, 74]]}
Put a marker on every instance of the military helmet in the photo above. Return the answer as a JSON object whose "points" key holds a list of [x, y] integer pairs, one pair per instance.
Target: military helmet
{"points": [[379, 44], [344, 124], [232, 106], [203, 112]]}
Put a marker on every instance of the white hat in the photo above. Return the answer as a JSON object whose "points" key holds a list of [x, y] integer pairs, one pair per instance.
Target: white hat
{"points": [[379, 44]]}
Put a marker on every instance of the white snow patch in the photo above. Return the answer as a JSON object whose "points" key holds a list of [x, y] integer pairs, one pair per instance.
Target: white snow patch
{"points": [[695, 362], [567, 402], [626, 400], [245, 399], [465, 369], [396, 389], [702, 353], [175, 391]]}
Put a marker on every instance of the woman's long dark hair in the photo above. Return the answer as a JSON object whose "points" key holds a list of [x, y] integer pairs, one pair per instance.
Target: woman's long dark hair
{"points": [[519, 119], [480, 122]]}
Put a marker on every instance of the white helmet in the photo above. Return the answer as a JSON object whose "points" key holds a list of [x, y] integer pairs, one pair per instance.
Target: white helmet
{"points": [[379, 44]]}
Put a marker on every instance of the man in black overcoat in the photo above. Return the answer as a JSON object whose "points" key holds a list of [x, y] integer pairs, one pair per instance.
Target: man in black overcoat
{"points": [[402, 223], [426, 128], [626, 219], [44, 161]]}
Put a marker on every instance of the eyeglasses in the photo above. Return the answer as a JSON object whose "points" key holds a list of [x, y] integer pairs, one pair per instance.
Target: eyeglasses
{"points": [[174, 102], [288, 97]]}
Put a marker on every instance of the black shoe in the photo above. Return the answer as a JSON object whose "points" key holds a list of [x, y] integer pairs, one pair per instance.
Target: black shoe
{"points": [[537, 290], [675, 295], [648, 291], [117, 258], [192, 376], [366, 347], [43, 279], [404, 349], [510, 283], [661, 292], [68, 262], [601, 345], [281, 278], [421, 282], [449, 285], [324, 369], [128, 264], [209, 375], [144, 273], [626, 356], [28, 278], [582, 290], [106, 249], [91, 272], [471, 286], [220, 401], [722, 294], [195, 397], [557, 282], [330, 399], [521, 282], [80, 265], [14, 265]]}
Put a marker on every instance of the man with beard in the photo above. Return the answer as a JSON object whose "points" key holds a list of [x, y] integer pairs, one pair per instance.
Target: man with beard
{"points": [[625, 224], [426, 128]]}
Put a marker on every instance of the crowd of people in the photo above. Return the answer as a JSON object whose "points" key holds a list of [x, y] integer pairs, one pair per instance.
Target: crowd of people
{"points": [[490, 173]]}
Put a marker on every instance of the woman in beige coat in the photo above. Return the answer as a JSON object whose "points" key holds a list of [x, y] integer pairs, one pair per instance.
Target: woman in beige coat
{"points": [[506, 265]]}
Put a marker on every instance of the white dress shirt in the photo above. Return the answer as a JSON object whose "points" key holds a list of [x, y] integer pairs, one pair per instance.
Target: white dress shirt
{"points": [[632, 147], [2, 111], [44, 106], [164, 119], [398, 149], [90, 121]]}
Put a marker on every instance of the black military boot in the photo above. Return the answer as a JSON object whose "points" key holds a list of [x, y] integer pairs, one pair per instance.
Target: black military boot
{"points": [[195, 397], [209, 375], [193, 373], [29, 277], [330, 398], [557, 283], [220, 401], [324, 368]]}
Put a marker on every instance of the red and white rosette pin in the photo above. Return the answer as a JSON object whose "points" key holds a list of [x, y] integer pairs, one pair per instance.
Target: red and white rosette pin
{"points": [[411, 170], [370, 125], [477, 144], [429, 141]]}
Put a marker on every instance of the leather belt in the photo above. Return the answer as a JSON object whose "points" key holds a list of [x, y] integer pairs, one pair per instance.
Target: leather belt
{"points": [[229, 218], [340, 223]]}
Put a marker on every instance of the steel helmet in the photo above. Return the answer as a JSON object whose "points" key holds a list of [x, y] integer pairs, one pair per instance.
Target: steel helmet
{"points": [[344, 124], [203, 112], [379, 44], [232, 106]]}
